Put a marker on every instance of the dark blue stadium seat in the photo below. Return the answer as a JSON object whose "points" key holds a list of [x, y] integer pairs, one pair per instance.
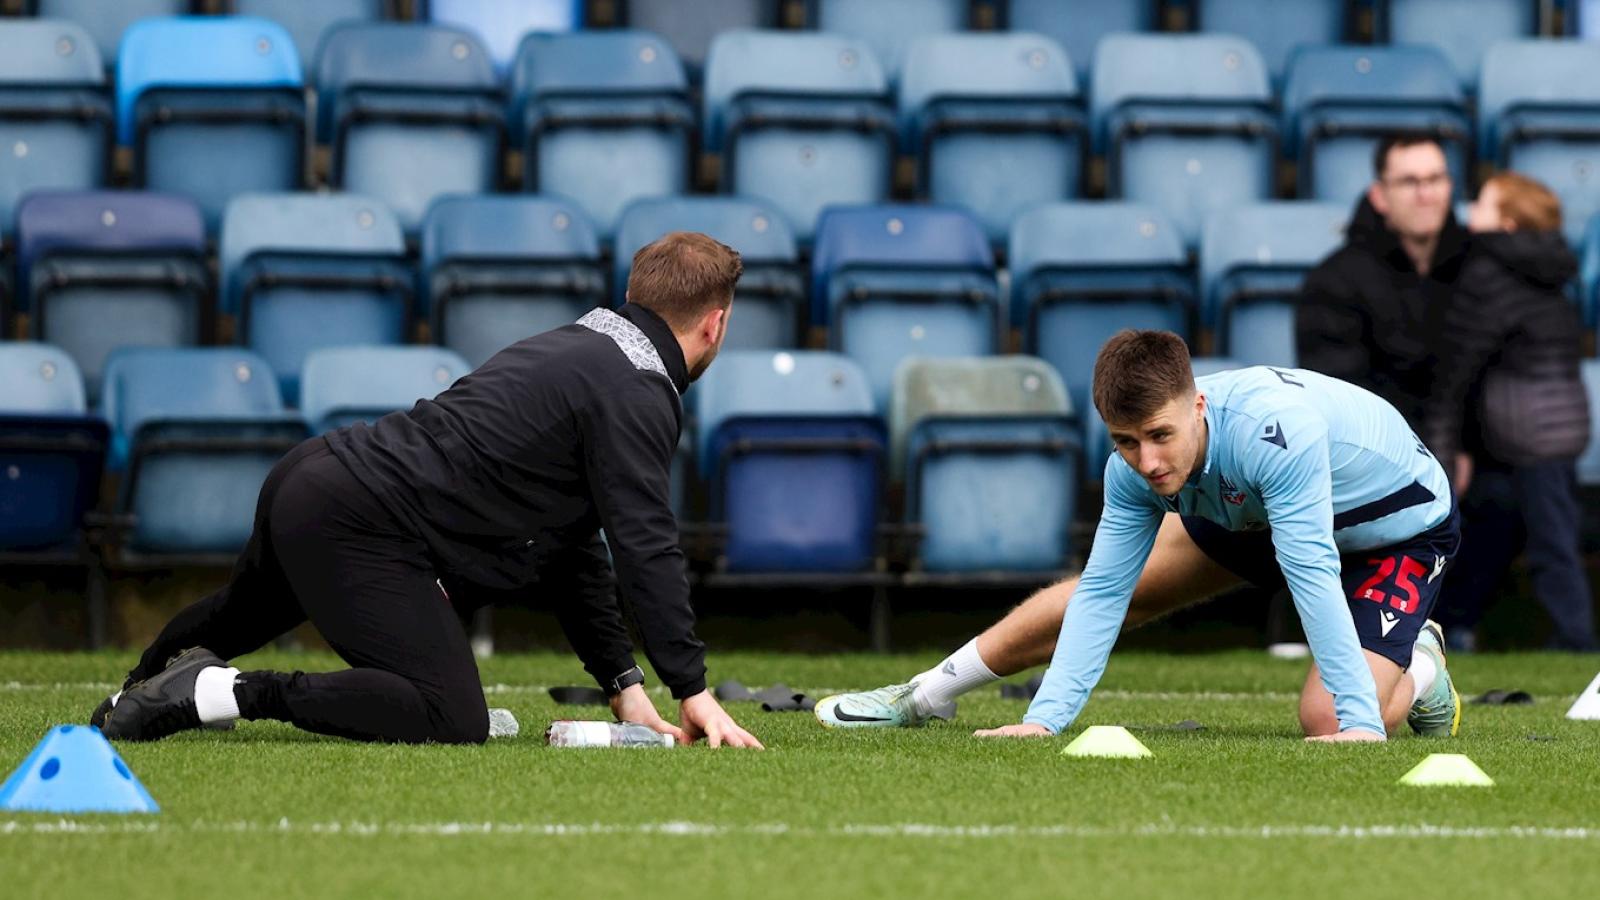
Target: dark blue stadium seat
{"points": [[51, 453], [98, 270], [801, 120], [991, 458], [1275, 27], [794, 456], [995, 121], [55, 118], [1539, 114], [1078, 25], [1589, 274], [602, 118], [892, 282], [501, 24], [308, 22], [106, 22], [212, 107], [768, 312], [889, 26], [1081, 272], [1589, 462], [412, 112], [496, 270], [1185, 123], [1252, 261], [197, 430], [305, 271], [1338, 101], [1463, 29], [344, 385], [689, 25]]}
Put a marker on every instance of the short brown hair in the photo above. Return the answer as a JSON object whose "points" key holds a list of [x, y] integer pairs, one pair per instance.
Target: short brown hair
{"points": [[1398, 140], [1139, 372], [1527, 202], [683, 275]]}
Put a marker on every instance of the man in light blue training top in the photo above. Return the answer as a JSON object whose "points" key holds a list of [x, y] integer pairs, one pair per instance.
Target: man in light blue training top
{"points": [[1260, 475]]}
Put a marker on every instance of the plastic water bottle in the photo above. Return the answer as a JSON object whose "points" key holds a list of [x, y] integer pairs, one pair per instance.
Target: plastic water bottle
{"points": [[567, 733]]}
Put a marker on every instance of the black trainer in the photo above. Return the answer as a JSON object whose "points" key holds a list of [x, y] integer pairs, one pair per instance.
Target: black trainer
{"points": [[98, 717], [162, 704]]}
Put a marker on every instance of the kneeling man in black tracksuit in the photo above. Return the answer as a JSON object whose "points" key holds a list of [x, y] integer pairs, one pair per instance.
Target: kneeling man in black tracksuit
{"points": [[494, 492]]}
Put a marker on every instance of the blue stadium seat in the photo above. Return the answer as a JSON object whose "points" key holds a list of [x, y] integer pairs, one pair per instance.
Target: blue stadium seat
{"points": [[98, 270], [496, 270], [308, 22], [769, 301], [106, 22], [995, 121], [1081, 272], [213, 108], [1589, 462], [794, 456], [1097, 441], [801, 120], [1338, 101], [689, 25], [51, 453], [1539, 114], [412, 112], [1252, 261], [501, 24], [197, 430], [1463, 29], [1078, 25], [1275, 27], [1185, 123], [345, 385], [305, 271], [603, 118], [898, 281], [991, 456], [889, 26], [55, 118], [1589, 274]]}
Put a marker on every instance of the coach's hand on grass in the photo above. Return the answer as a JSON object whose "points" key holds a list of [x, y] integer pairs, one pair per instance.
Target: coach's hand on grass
{"points": [[1025, 729], [1349, 735], [633, 705], [703, 717]]}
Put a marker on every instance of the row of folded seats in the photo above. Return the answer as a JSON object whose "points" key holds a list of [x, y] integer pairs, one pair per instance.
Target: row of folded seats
{"points": [[996, 123]]}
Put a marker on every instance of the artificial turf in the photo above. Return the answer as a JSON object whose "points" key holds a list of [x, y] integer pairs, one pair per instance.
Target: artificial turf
{"points": [[1241, 807]]}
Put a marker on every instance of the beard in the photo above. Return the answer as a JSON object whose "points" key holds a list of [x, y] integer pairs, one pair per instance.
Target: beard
{"points": [[703, 363]]}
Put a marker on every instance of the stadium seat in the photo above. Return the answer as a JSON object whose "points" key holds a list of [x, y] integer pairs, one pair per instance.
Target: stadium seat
{"points": [[308, 22], [98, 270], [1338, 101], [990, 459], [1589, 462], [689, 25], [1081, 272], [1078, 25], [1463, 29], [801, 120], [1184, 122], [412, 112], [1276, 27], [501, 24], [345, 385], [212, 107], [496, 270], [197, 430], [794, 456], [898, 281], [889, 26], [1539, 114], [51, 454], [603, 118], [1589, 274], [55, 117], [107, 22], [1252, 261], [768, 312], [305, 271], [995, 122]]}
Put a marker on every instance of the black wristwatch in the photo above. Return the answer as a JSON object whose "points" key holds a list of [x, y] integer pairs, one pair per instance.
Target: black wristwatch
{"points": [[624, 681]]}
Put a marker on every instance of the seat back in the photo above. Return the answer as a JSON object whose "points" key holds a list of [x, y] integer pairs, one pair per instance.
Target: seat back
{"points": [[40, 380], [1589, 462], [890, 26], [690, 26], [147, 385], [502, 24], [971, 388], [105, 22], [1463, 29], [756, 383], [308, 22], [1078, 25], [1277, 28], [51, 453], [344, 385]]}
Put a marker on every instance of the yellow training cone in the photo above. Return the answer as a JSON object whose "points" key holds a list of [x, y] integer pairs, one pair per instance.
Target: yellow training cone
{"points": [[1447, 770], [1111, 741]]}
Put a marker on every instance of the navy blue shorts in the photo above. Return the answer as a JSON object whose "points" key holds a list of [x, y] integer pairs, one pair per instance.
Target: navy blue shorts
{"points": [[1391, 590]]}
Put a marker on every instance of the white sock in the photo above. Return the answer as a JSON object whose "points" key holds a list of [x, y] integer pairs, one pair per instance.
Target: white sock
{"points": [[213, 695], [960, 672], [1423, 672]]}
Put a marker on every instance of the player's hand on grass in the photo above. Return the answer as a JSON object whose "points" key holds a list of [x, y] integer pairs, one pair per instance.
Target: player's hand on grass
{"points": [[633, 705], [1348, 736], [703, 717], [1026, 729]]}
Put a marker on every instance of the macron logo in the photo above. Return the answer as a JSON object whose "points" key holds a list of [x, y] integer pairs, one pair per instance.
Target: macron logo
{"points": [[1389, 621], [1274, 435]]}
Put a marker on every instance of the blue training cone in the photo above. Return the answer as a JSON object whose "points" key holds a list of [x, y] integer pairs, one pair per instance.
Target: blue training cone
{"points": [[75, 770]]}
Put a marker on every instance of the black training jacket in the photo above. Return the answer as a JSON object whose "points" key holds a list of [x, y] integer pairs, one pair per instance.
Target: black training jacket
{"points": [[510, 474]]}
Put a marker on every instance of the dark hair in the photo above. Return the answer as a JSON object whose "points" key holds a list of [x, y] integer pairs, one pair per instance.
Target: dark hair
{"points": [[683, 275], [1139, 372], [1398, 140]]}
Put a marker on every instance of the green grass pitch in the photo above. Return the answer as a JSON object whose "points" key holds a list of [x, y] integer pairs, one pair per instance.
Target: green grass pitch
{"points": [[1242, 808]]}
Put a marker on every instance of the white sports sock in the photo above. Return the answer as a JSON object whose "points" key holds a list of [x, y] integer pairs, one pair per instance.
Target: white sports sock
{"points": [[213, 695], [1423, 672], [960, 672]]}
